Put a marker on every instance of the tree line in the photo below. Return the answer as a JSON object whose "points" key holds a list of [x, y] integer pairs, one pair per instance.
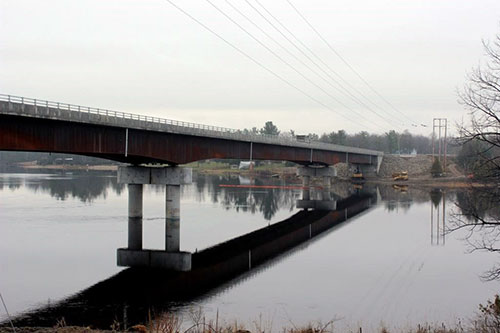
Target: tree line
{"points": [[391, 142]]}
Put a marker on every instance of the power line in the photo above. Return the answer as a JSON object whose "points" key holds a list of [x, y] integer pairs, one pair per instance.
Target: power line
{"points": [[318, 58], [285, 62], [257, 62], [342, 89], [347, 64], [280, 58]]}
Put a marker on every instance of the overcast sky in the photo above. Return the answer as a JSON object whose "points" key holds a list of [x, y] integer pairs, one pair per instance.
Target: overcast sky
{"points": [[148, 57]]}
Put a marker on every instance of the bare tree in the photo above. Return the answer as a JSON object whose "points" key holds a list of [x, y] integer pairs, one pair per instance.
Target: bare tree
{"points": [[478, 212], [479, 208], [481, 96]]}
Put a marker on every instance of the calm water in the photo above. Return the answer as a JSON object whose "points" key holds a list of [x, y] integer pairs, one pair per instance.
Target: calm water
{"points": [[390, 263]]}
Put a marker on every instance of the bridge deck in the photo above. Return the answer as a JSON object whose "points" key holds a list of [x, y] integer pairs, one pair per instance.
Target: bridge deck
{"points": [[62, 112]]}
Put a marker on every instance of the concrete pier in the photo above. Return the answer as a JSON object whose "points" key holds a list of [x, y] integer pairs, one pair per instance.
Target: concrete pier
{"points": [[172, 218], [310, 171], [306, 180], [327, 181], [326, 173], [135, 216], [324, 202], [135, 200], [134, 255], [306, 194]]}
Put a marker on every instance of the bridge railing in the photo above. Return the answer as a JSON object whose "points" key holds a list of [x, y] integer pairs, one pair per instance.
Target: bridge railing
{"points": [[181, 126], [109, 113]]}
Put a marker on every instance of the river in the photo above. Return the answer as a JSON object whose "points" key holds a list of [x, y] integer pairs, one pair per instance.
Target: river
{"points": [[389, 263]]}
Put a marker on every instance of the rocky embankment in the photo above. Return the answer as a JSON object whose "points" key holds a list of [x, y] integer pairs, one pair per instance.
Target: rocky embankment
{"points": [[416, 166]]}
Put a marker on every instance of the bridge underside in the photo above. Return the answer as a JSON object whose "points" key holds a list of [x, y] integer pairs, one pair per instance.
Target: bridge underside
{"points": [[136, 146]]}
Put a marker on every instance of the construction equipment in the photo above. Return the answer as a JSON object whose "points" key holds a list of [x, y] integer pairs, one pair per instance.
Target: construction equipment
{"points": [[403, 175], [400, 188], [357, 176]]}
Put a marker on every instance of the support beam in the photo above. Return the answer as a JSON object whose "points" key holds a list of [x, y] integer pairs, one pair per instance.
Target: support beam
{"points": [[154, 175]]}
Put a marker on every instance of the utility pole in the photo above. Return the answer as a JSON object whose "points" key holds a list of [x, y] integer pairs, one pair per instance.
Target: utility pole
{"points": [[440, 123], [433, 137], [445, 142]]}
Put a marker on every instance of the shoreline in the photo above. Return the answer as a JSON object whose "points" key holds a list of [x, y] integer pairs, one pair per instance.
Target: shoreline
{"points": [[287, 173]]}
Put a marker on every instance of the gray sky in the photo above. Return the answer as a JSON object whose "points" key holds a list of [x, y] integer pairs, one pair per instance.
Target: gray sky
{"points": [[147, 57]]}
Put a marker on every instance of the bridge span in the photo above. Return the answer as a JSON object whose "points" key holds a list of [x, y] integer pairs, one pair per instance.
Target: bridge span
{"points": [[36, 125], [42, 126]]}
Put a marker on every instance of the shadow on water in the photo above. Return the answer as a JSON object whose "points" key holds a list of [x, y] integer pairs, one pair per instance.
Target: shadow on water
{"points": [[129, 296]]}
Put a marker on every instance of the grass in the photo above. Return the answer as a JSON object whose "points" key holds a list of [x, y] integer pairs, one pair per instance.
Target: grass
{"points": [[487, 320]]}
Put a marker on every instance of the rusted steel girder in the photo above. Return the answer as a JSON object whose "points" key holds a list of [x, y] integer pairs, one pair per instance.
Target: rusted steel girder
{"points": [[136, 146]]}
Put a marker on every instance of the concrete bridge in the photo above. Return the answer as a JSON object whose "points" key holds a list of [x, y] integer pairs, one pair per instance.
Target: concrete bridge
{"points": [[42, 126]]}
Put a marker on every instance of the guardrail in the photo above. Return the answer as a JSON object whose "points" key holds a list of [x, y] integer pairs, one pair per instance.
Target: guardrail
{"points": [[182, 126], [109, 113]]}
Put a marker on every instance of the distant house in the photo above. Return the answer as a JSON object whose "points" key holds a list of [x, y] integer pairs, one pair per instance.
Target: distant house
{"points": [[303, 138], [412, 154], [245, 165]]}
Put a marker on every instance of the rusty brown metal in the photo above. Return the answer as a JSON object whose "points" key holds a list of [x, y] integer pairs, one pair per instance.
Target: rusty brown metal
{"points": [[21, 133]]}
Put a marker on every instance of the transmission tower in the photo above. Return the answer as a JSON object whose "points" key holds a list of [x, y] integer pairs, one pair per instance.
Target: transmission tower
{"points": [[437, 125]]}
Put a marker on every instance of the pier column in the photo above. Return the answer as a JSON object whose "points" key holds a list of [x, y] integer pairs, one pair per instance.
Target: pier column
{"points": [[135, 256], [327, 181], [306, 194], [325, 195], [172, 218], [306, 191], [306, 181], [325, 173], [135, 216]]}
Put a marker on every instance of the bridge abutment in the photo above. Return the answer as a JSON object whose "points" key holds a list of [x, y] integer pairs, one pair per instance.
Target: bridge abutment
{"points": [[368, 170], [134, 255]]}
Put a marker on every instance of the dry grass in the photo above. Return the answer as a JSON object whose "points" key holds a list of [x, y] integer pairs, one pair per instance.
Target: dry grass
{"points": [[487, 320]]}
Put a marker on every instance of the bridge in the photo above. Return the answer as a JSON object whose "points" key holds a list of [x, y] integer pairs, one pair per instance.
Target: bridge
{"points": [[28, 124], [37, 125]]}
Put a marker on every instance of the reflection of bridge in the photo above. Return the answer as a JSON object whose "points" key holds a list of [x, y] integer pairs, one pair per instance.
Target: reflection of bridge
{"points": [[130, 295], [43, 126]]}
